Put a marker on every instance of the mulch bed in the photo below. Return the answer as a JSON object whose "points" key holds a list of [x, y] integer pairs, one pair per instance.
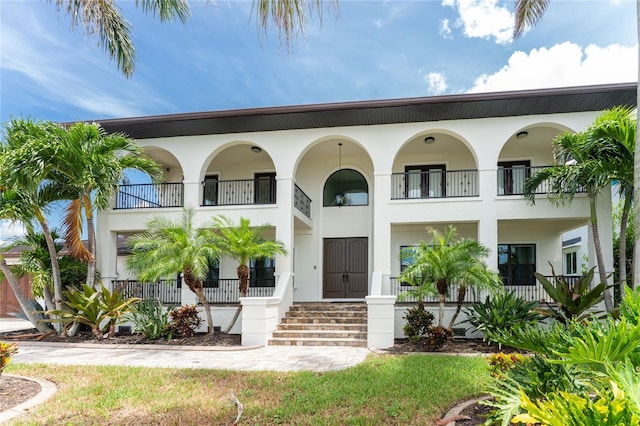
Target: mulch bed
{"points": [[14, 391]]}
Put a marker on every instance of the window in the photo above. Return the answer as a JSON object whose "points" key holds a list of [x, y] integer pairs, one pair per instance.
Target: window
{"points": [[426, 181], [571, 263], [262, 272], [511, 176], [265, 188], [213, 275], [517, 263], [346, 187], [210, 191], [407, 258]]}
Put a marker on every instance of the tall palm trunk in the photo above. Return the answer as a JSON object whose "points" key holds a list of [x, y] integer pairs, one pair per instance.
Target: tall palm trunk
{"points": [[22, 300], [622, 244], [195, 285], [442, 285], [58, 301], [91, 241], [602, 273]]}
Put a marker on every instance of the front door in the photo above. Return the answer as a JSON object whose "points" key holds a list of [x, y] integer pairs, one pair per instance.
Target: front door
{"points": [[345, 268]]}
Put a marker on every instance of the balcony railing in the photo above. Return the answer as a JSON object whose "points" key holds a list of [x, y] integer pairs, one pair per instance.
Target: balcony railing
{"points": [[301, 201], [227, 291], [511, 180], [239, 192], [534, 292], [434, 184], [166, 291], [223, 291], [150, 196]]}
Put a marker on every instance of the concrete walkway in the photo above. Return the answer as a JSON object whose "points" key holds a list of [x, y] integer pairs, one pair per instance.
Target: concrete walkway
{"points": [[275, 358]]}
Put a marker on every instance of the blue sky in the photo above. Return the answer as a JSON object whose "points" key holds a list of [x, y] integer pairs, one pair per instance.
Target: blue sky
{"points": [[370, 50]]}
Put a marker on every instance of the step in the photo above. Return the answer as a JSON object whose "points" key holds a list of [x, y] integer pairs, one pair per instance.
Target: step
{"points": [[326, 314], [329, 307], [323, 326], [361, 343], [319, 334], [320, 320]]}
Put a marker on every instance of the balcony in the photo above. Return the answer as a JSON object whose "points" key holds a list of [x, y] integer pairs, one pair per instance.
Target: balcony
{"points": [[301, 201], [239, 192], [511, 180], [534, 292], [222, 291], [149, 196], [434, 184]]}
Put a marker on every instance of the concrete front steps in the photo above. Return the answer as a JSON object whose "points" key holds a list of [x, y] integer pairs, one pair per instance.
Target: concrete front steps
{"points": [[323, 324]]}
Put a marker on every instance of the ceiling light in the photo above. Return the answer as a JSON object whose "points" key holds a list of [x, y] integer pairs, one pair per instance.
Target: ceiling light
{"points": [[256, 149], [522, 135], [429, 140]]}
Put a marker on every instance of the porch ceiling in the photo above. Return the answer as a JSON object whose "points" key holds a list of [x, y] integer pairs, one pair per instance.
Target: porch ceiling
{"points": [[407, 110]]}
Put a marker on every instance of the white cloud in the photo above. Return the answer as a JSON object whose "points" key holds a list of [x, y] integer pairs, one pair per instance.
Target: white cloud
{"points": [[562, 65], [483, 19], [445, 29], [9, 231], [436, 83]]}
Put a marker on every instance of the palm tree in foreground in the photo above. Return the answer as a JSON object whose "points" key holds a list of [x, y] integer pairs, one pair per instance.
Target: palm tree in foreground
{"points": [[446, 260], [168, 247], [577, 168], [242, 243]]}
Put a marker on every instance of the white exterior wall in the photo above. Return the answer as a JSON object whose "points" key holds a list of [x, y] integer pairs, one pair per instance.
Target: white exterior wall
{"points": [[307, 158]]}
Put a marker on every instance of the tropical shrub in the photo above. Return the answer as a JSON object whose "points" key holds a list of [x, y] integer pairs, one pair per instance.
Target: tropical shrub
{"points": [[6, 351], [100, 310], [436, 338], [185, 321], [500, 363], [419, 321], [150, 319], [500, 312], [571, 300]]}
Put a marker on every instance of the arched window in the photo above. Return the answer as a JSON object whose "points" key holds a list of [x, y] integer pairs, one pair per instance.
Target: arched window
{"points": [[346, 187]]}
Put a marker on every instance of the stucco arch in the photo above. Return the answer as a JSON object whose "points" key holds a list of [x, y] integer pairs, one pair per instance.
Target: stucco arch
{"points": [[172, 170], [329, 144], [237, 159], [533, 143], [436, 146]]}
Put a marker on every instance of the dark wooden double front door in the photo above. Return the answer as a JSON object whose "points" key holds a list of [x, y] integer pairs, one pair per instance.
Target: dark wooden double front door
{"points": [[345, 268]]}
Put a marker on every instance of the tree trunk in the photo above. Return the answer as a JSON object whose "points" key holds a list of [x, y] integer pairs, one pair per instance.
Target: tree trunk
{"points": [[233, 321], [22, 300], [243, 279], [622, 245], [462, 292], [195, 285], [602, 273], [58, 300], [91, 241], [441, 310]]}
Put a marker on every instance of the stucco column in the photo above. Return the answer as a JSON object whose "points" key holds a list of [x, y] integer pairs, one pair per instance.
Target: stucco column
{"points": [[284, 223], [488, 224], [107, 247], [381, 244]]}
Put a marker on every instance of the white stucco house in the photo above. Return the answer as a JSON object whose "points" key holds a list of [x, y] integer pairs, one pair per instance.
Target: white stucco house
{"points": [[346, 186]]}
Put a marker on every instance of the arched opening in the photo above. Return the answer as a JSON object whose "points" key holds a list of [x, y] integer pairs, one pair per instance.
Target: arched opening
{"points": [[345, 187]]}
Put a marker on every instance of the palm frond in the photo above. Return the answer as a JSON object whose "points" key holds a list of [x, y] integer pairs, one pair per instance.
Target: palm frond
{"points": [[527, 14]]}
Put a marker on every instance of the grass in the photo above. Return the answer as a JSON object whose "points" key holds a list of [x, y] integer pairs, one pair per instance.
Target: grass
{"points": [[391, 390]]}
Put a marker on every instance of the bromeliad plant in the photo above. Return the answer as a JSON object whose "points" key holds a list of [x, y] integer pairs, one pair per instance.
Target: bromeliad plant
{"points": [[99, 309], [573, 301]]}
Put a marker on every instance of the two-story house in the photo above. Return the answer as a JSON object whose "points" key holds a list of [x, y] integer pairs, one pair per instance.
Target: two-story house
{"points": [[346, 186]]}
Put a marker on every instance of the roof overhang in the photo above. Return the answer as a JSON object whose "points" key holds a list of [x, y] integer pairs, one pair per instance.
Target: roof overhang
{"points": [[392, 111]]}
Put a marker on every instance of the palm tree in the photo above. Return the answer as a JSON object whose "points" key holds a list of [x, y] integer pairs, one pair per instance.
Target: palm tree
{"points": [[577, 168], [446, 260], [242, 243], [528, 13], [114, 33], [89, 166], [168, 247], [613, 135]]}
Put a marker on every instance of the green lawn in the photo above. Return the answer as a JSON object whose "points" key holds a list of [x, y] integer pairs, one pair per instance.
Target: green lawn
{"points": [[400, 389]]}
